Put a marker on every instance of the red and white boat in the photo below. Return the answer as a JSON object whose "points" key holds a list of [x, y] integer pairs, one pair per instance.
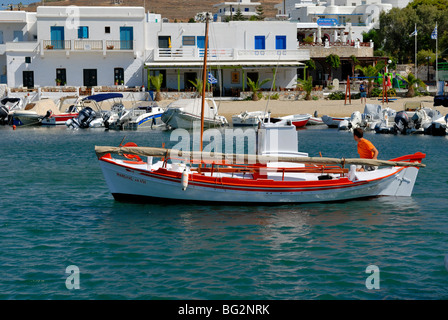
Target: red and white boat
{"points": [[299, 120], [67, 108], [277, 174]]}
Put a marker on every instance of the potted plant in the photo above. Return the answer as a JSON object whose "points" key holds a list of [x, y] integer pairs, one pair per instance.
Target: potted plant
{"points": [[156, 81], [255, 86], [58, 82], [111, 47], [49, 47]]}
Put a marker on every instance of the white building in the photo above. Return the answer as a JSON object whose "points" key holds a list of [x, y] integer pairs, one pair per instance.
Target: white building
{"points": [[237, 50], [105, 46], [227, 9], [79, 46]]}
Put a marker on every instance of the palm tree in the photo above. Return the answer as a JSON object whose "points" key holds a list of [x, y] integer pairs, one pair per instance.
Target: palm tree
{"points": [[255, 86], [197, 84], [156, 81], [413, 82], [307, 86], [370, 71]]}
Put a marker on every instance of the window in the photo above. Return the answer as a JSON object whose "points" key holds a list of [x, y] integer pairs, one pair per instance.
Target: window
{"points": [[83, 33], [260, 43], [18, 36], [106, 29], [246, 9], [280, 42], [164, 42], [252, 76], [188, 41], [27, 59]]}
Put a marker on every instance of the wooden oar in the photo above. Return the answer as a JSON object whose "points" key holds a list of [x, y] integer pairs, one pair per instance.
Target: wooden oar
{"points": [[247, 158]]}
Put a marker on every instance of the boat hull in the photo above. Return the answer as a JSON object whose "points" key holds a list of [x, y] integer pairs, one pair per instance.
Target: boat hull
{"points": [[58, 119], [130, 182], [176, 118]]}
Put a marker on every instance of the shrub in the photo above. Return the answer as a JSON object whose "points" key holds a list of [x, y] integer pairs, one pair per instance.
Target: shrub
{"points": [[338, 95]]}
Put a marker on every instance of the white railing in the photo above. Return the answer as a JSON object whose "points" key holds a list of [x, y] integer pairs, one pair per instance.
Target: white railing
{"points": [[226, 54], [88, 45]]}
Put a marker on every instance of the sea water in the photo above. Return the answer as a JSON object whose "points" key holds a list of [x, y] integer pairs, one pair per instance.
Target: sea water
{"points": [[63, 236]]}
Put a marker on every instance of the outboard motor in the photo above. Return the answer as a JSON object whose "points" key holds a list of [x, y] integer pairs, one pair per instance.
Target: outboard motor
{"points": [[84, 118], [401, 122]]}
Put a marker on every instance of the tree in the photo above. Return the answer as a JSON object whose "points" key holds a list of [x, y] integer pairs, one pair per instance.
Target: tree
{"points": [[307, 86], [259, 13], [255, 86], [310, 65], [413, 82], [333, 61], [238, 16], [197, 84], [370, 71], [157, 81]]}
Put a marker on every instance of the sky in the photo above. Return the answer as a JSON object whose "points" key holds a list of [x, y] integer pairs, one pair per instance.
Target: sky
{"points": [[5, 3]]}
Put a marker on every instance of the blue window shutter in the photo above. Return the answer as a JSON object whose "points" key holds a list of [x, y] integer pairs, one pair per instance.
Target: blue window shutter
{"points": [[280, 42], [260, 43]]}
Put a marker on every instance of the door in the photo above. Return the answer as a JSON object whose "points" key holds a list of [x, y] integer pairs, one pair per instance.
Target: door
{"points": [[126, 38], [90, 78], [118, 76], [200, 42], [28, 79], [57, 37], [1, 37], [280, 42], [61, 76], [189, 76], [260, 43]]}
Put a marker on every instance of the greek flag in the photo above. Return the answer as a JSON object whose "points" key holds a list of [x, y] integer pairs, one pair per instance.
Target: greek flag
{"points": [[434, 34], [212, 79], [413, 33]]}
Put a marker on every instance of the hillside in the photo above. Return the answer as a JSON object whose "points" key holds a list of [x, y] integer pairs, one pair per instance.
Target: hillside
{"points": [[182, 10]]}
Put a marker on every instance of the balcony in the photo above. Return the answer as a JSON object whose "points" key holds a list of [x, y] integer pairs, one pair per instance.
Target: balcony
{"points": [[226, 54], [86, 45]]}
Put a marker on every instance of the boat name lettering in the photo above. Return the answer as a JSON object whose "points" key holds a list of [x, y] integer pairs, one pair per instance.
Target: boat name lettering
{"points": [[131, 178]]}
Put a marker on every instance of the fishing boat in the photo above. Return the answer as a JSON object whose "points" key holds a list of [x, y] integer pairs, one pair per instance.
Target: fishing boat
{"points": [[183, 113], [64, 112], [277, 173], [298, 120]]}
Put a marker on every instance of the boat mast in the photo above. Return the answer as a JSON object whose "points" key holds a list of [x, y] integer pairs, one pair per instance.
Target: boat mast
{"points": [[204, 80]]}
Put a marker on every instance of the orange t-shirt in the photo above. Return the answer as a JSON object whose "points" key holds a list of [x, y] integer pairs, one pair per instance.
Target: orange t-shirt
{"points": [[365, 149]]}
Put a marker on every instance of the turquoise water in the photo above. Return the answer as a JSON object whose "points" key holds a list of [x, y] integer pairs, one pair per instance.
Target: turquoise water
{"points": [[56, 211]]}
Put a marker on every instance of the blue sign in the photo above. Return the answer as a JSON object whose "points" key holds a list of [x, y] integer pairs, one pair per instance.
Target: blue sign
{"points": [[327, 22]]}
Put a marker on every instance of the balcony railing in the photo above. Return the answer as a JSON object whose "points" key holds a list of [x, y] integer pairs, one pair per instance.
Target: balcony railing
{"points": [[223, 54], [56, 44], [88, 45]]}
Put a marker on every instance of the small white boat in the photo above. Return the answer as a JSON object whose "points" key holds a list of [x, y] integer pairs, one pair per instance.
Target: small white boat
{"points": [[35, 112], [183, 113], [68, 108], [315, 121], [298, 120], [333, 122], [137, 117], [92, 114], [251, 118]]}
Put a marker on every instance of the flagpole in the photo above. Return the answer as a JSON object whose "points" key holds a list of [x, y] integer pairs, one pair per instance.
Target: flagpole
{"points": [[437, 73], [415, 35]]}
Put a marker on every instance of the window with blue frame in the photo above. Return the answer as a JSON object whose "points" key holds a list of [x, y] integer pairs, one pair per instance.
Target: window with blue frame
{"points": [[260, 42], [246, 9], [280, 42], [83, 33]]}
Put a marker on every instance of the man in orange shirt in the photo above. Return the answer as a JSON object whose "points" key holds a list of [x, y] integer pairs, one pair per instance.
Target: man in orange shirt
{"points": [[366, 149]]}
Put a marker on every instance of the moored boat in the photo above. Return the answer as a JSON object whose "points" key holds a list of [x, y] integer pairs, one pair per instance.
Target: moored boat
{"points": [[298, 120], [183, 113]]}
